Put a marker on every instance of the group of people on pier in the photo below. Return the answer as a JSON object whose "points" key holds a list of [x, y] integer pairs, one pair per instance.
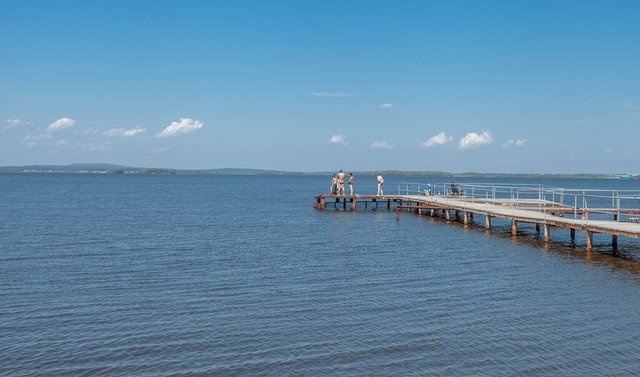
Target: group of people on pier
{"points": [[337, 184]]}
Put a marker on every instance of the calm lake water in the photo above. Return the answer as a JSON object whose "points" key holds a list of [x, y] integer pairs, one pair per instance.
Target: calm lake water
{"points": [[208, 275]]}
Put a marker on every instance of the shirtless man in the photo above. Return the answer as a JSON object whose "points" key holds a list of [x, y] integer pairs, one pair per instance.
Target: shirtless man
{"points": [[334, 184], [340, 182]]}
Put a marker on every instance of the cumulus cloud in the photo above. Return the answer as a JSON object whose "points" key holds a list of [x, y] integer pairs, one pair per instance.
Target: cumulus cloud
{"points": [[14, 123], [338, 139], [185, 125], [514, 143], [438, 139], [61, 124], [331, 94], [382, 145], [473, 139], [121, 132], [386, 105]]}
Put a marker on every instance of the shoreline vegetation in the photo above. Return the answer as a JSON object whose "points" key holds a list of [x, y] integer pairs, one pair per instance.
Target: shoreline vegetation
{"points": [[119, 169]]}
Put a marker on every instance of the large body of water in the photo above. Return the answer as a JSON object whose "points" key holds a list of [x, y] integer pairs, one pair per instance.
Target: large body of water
{"points": [[209, 275]]}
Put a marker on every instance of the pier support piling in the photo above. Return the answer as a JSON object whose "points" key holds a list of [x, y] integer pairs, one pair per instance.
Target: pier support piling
{"points": [[514, 227], [589, 240], [465, 217], [487, 222], [546, 232]]}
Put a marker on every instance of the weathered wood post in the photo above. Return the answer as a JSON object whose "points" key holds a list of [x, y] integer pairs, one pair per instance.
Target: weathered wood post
{"points": [[589, 240], [572, 234], [546, 232], [514, 227], [353, 204], [614, 238], [487, 222], [465, 218], [447, 215]]}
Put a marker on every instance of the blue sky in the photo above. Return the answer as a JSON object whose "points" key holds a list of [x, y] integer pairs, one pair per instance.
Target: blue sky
{"points": [[486, 86]]}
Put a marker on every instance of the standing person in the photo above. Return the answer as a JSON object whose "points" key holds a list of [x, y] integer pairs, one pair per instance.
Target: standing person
{"points": [[351, 184], [340, 182], [334, 184], [380, 183]]}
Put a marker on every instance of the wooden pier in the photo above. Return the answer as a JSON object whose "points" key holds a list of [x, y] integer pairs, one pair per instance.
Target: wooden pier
{"points": [[614, 213]]}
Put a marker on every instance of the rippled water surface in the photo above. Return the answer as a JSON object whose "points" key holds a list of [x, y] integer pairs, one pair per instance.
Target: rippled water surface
{"points": [[155, 275]]}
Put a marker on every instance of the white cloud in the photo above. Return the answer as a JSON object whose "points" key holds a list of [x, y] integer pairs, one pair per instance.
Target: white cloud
{"points": [[61, 124], [338, 139], [438, 139], [185, 125], [514, 143], [473, 139], [14, 123], [382, 145], [386, 105], [331, 94], [124, 132]]}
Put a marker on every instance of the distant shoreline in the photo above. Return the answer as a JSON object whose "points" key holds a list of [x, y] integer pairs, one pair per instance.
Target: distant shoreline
{"points": [[118, 169]]}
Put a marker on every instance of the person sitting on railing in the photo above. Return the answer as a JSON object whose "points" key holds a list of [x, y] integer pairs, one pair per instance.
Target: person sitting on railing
{"points": [[455, 191]]}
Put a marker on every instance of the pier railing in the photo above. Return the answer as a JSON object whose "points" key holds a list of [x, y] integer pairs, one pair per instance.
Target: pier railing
{"points": [[585, 204]]}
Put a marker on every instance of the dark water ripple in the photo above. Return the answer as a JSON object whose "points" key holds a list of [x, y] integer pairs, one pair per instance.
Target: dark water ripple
{"points": [[153, 275]]}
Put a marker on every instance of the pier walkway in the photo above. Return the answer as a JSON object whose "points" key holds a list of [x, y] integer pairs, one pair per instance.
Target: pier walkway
{"points": [[611, 212]]}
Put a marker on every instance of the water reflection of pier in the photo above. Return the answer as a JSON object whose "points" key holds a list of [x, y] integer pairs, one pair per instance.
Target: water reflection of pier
{"points": [[611, 212]]}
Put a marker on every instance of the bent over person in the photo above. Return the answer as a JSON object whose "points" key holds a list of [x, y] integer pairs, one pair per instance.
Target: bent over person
{"points": [[380, 183]]}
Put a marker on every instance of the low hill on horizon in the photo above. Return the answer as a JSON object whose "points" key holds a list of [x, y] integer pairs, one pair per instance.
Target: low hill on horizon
{"points": [[105, 168]]}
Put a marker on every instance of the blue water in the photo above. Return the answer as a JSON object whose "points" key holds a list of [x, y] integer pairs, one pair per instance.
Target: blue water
{"points": [[207, 275]]}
